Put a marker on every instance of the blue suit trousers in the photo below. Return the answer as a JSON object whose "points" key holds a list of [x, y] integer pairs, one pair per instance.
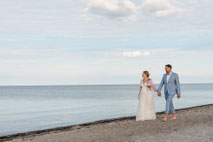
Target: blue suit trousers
{"points": [[169, 103]]}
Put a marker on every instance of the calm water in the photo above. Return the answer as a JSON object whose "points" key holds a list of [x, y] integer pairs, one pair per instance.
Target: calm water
{"points": [[27, 108]]}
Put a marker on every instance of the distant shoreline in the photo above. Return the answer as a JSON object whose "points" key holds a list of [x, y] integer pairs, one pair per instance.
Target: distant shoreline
{"points": [[77, 126], [92, 85]]}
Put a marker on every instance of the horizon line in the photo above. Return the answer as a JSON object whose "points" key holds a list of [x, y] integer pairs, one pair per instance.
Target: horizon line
{"points": [[89, 84]]}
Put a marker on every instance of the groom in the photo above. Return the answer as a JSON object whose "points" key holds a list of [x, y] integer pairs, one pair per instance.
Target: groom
{"points": [[171, 84]]}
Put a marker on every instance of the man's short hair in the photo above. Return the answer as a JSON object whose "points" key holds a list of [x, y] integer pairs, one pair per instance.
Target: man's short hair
{"points": [[168, 65]]}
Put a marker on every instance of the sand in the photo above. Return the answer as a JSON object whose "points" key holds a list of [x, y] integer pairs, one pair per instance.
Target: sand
{"points": [[192, 125]]}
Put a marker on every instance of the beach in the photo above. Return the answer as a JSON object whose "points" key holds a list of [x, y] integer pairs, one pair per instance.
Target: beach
{"points": [[193, 124], [87, 70]]}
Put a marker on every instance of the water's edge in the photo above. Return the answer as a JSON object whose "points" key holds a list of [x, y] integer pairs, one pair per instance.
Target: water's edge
{"points": [[66, 128]]}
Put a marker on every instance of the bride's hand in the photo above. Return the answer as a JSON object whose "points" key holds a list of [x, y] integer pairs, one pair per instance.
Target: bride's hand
{"points": [[138, 96]]}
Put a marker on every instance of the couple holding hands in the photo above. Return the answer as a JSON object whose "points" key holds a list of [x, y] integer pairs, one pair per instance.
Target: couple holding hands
{"points": [[146, 108]]}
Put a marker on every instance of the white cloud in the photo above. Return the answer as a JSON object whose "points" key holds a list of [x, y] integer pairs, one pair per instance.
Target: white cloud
{"points": [[15, 52], [118, 9], [127, 10], [135, 53], [159, 8]]}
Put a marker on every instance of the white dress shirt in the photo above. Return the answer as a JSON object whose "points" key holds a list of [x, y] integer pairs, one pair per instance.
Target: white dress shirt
{"points": [[168, 76]]}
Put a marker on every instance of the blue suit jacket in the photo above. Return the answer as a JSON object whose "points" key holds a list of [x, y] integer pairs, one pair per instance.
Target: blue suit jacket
{"points": [[173, 85]]}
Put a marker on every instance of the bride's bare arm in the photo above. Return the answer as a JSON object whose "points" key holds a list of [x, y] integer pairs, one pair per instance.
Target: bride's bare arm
{"points": [[140, 89]]}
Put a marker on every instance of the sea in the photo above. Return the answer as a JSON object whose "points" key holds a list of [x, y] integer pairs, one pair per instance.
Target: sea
{"points": [[30, 108]]}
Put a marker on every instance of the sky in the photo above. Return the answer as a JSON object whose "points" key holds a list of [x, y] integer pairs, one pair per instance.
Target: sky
{"points": [[85, 42]]}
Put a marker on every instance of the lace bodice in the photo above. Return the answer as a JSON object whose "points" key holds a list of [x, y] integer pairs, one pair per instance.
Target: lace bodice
{"points": [[147, 85]]}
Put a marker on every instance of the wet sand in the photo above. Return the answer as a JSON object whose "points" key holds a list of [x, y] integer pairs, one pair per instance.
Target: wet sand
{"points": [[192, 125]]}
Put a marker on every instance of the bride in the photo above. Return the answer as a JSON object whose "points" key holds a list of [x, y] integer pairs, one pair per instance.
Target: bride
{"points": [[146, 108]]}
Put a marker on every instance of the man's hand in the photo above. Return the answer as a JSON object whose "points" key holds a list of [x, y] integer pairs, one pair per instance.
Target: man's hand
{"points": [[159, 94], [178, 96]]}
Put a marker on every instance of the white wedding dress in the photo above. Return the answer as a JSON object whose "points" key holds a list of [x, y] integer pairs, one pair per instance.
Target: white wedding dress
{"points": [[146, 108]]}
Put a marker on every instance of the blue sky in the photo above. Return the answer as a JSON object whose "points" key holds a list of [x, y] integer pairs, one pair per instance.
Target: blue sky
{"points": [[55, 42]]}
